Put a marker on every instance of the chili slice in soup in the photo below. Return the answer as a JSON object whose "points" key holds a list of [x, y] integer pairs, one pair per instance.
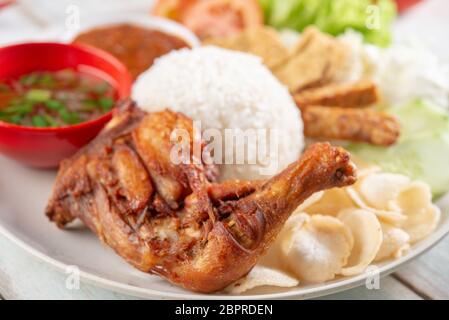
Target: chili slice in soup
{"points": [[54, 99]]}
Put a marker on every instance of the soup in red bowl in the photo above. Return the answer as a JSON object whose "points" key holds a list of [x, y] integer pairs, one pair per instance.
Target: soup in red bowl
{"points": [[55, 98]]}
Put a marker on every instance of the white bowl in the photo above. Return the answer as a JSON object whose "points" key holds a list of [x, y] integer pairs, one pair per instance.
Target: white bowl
{"points": [[143, 20]]}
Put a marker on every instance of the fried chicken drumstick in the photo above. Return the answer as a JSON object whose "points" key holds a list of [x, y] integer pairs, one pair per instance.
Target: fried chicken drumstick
{"points": [[174, 220]]}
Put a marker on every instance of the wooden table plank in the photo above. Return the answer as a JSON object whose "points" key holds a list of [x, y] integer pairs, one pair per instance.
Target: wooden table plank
{"points": [[390, 289], [429, 274], [25, 277]]}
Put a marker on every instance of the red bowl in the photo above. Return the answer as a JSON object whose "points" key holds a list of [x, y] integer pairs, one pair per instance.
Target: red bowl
{"points": [[46, 147]]}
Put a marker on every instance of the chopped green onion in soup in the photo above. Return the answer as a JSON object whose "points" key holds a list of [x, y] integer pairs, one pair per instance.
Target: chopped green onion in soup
{"points": [[54, 99]]}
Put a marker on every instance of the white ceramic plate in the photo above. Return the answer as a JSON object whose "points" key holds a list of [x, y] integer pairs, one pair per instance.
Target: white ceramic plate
{"points": [[23, 195]]}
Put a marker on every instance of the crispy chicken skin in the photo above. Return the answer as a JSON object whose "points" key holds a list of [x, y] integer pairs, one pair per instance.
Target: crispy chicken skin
{"points": [[174, 220]]}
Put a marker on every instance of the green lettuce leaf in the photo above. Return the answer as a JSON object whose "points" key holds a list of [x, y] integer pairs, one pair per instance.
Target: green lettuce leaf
{"points": [[373, 19]]}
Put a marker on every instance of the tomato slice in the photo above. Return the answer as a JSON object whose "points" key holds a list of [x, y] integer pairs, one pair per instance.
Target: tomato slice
{"points": [[220, 18], [172, 9], [405, 4], [5, 3]]}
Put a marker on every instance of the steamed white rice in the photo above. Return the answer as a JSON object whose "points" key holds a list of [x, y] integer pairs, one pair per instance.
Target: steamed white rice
{"points": [[227, 90]]}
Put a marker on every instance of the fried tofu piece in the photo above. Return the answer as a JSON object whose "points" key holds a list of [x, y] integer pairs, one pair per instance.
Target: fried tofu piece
{"points": [[261, 41], [318, 59], [362, 125], [350, 95]]}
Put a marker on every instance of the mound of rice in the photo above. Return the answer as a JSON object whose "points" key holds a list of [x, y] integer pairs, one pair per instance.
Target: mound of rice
{"points": [[226, 90]]}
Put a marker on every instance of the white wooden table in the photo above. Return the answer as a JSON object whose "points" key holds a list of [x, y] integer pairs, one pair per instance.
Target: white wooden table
{"points": [[24, 277]]}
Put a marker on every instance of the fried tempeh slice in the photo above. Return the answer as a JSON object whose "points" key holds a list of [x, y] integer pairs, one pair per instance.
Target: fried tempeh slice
{"points": [[362, 93], [363, 125]]}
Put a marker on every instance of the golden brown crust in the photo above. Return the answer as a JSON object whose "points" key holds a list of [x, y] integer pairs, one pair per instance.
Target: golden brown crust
{"points": [[133, 180], [350, 95], [152, 141], [362, 125]]}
